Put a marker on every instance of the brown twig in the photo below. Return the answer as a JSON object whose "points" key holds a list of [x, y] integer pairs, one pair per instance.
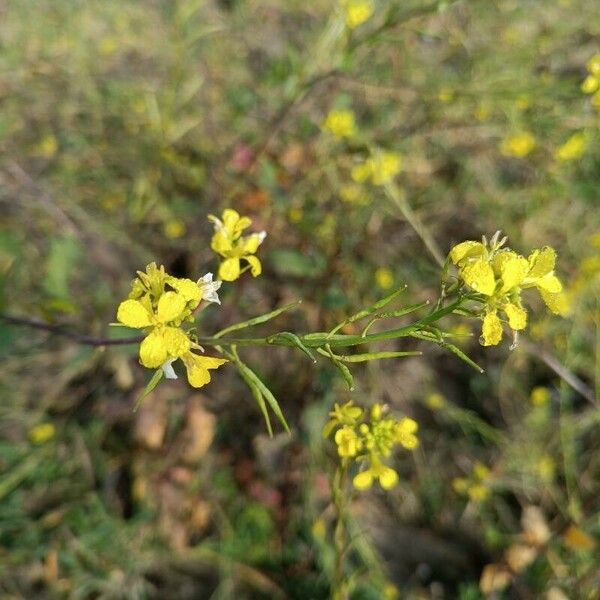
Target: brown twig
{"points": [[86, 340]]}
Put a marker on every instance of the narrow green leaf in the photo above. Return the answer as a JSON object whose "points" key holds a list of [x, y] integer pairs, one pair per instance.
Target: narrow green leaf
{"points": [[356, 358], [158, 375], [394, 313], [243, 370], [257, 320], [361, 314], [342, 368], [295, 340]]}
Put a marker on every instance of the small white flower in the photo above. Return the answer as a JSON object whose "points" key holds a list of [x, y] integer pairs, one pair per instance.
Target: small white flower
{"points": [[209, 288], [168, 370]]}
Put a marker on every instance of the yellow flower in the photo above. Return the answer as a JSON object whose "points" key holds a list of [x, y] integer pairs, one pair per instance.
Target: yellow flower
{"points": [[40, 434], [381, 168], [518, 145], [347, 414], [386, 476], [572, 149], [405, 430], [356, 12], [340, 123], [478, 492], [348, 443], [161, 313], [479, 276], [591, 83], [546, 468], [539, 396], [500, 275], [229, 243], [385, 166], [384, 278], [354, 194], [435, 401], [174, 229]]}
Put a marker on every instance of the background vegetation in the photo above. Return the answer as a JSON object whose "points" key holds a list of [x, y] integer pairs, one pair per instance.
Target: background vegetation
{"points": [[123, 123]]}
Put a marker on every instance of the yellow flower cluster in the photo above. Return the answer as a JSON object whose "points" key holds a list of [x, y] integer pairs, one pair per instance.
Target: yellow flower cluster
{"points": [[591, 84], [381, 168], [160, 304], [476, 486], [369, 438], [498, 275], [229, 243], [340, 123], [518, 145], [356, 12]]}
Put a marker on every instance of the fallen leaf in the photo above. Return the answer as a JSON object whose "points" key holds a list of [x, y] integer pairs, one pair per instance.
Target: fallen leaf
{"points": [[151, 422], [519, 557], [535, 528], [494, 578], [577, 539], [199, 432]]}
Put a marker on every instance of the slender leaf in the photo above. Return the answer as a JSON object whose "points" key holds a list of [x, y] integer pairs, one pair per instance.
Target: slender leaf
{"points": [[158, 375]]}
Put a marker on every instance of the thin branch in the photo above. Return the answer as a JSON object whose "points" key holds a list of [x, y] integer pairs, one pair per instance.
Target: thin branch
{"points": [[86, 340]]}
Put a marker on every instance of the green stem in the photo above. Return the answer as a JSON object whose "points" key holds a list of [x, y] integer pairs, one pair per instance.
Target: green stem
{"points": [[318, 340], [338, 485]]}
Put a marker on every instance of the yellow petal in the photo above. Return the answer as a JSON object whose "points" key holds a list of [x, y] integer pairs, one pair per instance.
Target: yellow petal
{"points": [[221, 243], [133, 314], [549, 283], [466, 249], [590, 84], [252, 242], [189, 289], [517, 316], [541, 262], [176, 341], [513, 271], [388, 478], [170, 307], [255, 266], [556, 303], [360, 173], [198, 368], [153, 352], [480, 277], [364, 480], [491, 330], [229, 270]]}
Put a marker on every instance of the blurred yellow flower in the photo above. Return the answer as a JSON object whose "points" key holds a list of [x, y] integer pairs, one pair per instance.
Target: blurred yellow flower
{"points": [[517, 145], [319, 529], [295, 214], [46, 147], [356, 12], [476, 486], [546, 468], [377, 471], [42, 433], [591, 84], [354, 194], [380, 168], [369, 438], [229, 243], [539, 396], [174, 228], [435, 401], [483, 111], [340, 123], [573, 148], [384, 278], [348, 443], [446, 95]]}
